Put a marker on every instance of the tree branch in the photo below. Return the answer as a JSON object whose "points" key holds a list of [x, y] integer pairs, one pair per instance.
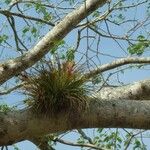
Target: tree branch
{"points": [[10, 14], [8, 91], [137, 91], [117, 63], [76, 144], [12, 67], [42, 143], [24, 125], [85, 136]]}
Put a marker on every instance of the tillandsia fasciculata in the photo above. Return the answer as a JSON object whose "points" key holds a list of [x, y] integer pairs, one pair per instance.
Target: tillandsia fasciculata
{"points": [[56, 89]]}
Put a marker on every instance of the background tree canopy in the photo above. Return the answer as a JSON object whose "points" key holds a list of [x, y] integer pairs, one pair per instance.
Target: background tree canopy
{"points": [[75, 72]]}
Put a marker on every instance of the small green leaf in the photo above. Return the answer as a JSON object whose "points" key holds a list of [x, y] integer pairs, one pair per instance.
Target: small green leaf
{"points": [[33, 30], [15, 147], [47, 16], [139, 47], [7, 1], [96, 13], [141, 37], [56, 46], [4, 108], [70, 54], [26, 29], [96, 80], [3, 38]]}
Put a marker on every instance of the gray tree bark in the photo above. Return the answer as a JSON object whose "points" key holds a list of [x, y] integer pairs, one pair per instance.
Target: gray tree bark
{"points": [[112, 107], [107, 109]]}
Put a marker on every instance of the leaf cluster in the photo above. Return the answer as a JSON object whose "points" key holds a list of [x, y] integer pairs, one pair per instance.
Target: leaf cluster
{"points": [[139, 47]]}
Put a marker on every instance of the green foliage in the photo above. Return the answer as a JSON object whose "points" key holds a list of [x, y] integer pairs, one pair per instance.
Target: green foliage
{"points": [[70, 54], [52, 89], [7, 1], [138, 145], [108, 139], [55, 90], [121, 17], [5, 108], [139, 47], [15, 147], [3, 38], [132, 140], [118, 18], [104, 140], [32, 30], [42, 9], [114, 139], [47, 16], [96, 13], [96, 79], [26, 29], [57, 45]]}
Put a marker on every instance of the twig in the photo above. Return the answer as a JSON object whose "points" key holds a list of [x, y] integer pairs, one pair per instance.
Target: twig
{"points": [[11, 89], [8, 13], [76, 144]]}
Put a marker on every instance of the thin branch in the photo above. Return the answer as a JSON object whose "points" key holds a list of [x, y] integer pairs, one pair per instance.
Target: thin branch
{"points": [[76, 144], [17, 39], [8, 14], [111, 35], [132, 6], [11, 89], [99, 18], [130, 139], [85, 136], [42, 143], [42, 4]]}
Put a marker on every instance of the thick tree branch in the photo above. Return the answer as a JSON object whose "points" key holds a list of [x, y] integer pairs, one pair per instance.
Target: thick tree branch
{"points": [[12, 67], [118, 63], [23, 125], [111, 107], [138, 91]]}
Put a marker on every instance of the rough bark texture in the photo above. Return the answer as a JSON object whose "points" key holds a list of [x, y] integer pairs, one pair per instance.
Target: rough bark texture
{"points": [[111, 107], [136, 91], [23, 125]]}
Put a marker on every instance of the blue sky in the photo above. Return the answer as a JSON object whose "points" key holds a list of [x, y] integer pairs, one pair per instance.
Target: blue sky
{"points": [[106, 46]]}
